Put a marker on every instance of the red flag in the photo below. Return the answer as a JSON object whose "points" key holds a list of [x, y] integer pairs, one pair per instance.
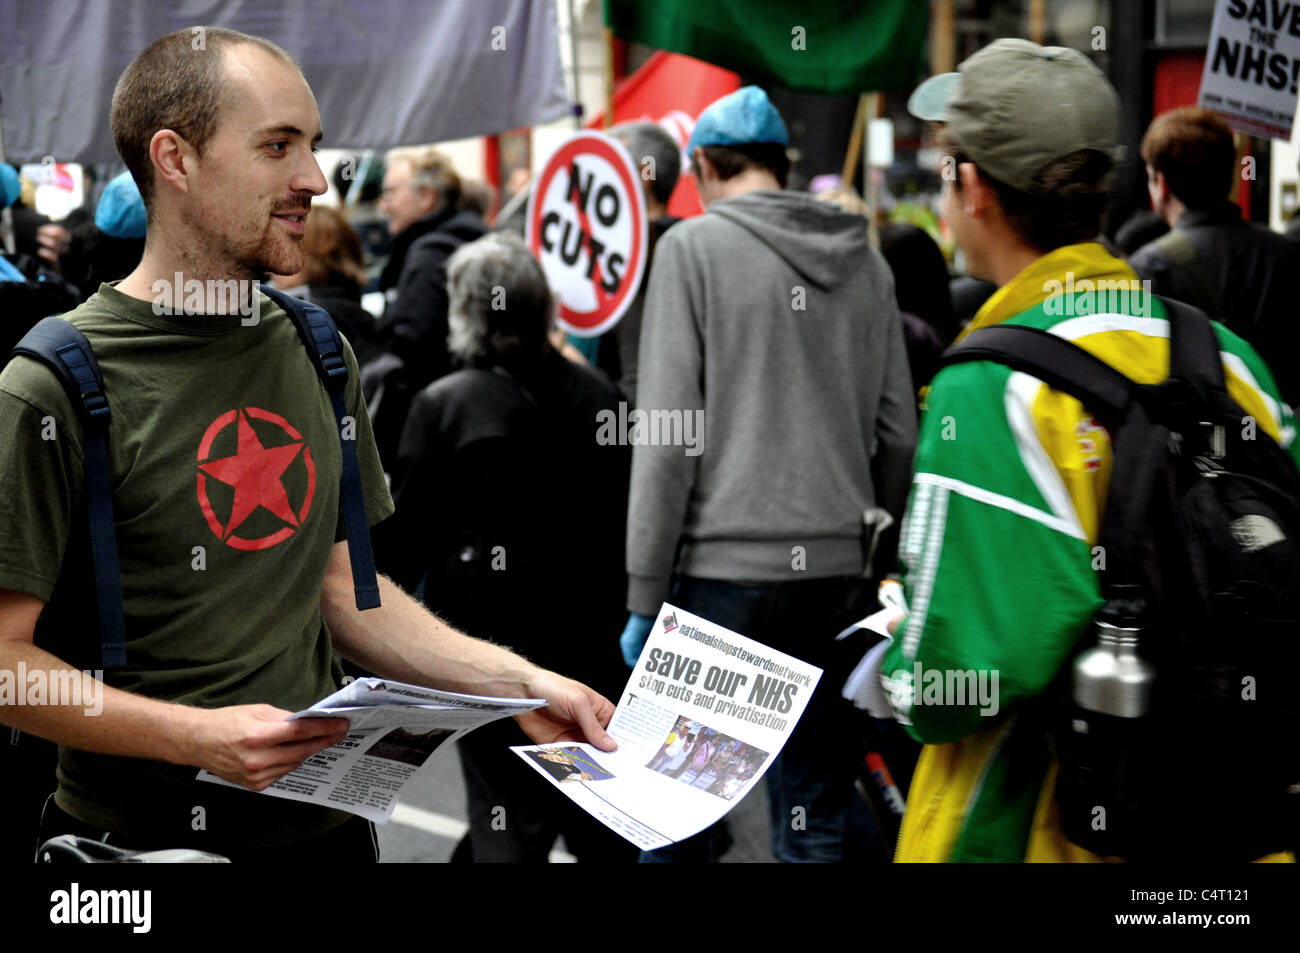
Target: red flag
{"points": [[672, 90]]}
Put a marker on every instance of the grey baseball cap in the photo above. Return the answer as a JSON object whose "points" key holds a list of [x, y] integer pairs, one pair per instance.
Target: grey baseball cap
{"points": [[1015, 106]]}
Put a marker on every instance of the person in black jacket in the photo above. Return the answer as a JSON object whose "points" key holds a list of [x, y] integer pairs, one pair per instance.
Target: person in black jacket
{"points": [[420, 197], [493, 458], [1239, 272]]}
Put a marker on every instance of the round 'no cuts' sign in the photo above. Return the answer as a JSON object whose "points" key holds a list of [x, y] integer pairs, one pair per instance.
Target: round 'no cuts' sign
{"points": [[587, 226]]}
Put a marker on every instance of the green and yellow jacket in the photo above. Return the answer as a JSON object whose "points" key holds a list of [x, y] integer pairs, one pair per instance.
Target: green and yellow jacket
{"points": [[998, 549]]}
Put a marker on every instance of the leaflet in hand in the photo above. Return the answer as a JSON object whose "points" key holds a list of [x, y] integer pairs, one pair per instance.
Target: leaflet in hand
{"points": [[396, 728], [863, 686], [699, 722]]}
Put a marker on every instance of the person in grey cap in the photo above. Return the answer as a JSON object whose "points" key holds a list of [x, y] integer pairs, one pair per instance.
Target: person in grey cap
{"points": [[772, 321], [1011, 475]]}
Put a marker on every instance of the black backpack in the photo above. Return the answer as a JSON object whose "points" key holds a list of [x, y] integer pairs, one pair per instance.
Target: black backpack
{"points": [[1200, 551], [58, 344]]}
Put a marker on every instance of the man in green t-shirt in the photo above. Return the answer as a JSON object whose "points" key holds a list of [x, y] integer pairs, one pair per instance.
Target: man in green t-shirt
{"points": [[225, 465]]}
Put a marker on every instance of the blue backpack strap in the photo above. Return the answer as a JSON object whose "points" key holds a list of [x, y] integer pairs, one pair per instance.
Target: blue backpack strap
{"points": [[62, 348], [321, 336]]}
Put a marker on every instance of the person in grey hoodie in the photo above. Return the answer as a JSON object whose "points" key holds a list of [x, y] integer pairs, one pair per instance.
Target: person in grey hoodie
{"points": [[772, 324]]}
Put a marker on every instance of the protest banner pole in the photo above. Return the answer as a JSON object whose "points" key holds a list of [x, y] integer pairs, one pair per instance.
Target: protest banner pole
{"points": [[577, 77], [1037, 20], [608, 36], [855, 142], [870, 193], [941, 38]]}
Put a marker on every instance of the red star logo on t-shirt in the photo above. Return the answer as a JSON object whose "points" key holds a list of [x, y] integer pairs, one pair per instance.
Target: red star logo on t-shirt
{"points": [[255, 472]]}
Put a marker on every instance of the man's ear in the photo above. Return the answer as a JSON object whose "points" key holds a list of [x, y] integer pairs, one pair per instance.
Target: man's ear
{"points": [[172, 158], [434, 198], [1162, 186], [975, 192]]}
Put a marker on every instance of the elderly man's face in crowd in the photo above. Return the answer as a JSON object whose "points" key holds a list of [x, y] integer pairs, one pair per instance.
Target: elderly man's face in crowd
{"points": [[252, 187], [403, 200]]}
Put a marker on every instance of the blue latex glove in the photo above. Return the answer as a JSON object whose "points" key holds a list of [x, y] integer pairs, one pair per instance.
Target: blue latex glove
{"points": [[634, 636]]}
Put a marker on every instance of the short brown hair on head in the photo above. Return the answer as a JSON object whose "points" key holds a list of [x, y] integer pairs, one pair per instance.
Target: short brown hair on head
{"points": [[332, 249], [730, 161], [176, 83], [1193, 149]]}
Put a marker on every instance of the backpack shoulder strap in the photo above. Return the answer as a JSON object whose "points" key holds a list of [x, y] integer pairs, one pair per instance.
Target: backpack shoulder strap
{"points": [[1194, 349], [58, 345], [1055, 361], [325, 346], [1137, 444]]}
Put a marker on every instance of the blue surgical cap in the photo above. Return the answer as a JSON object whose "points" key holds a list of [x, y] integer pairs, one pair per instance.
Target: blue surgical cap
{"points": [[739, 118], [10, 187], [121, 209]]}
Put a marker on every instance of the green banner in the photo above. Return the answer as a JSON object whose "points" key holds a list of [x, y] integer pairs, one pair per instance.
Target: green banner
{"points": [[815, 46]]}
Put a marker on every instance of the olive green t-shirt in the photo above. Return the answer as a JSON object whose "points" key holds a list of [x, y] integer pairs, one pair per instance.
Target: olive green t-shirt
{"points": [[225, 463]]}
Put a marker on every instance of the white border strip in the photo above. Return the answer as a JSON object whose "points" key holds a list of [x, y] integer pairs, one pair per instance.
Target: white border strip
{"points": [[1021, 391], [981, 495]]}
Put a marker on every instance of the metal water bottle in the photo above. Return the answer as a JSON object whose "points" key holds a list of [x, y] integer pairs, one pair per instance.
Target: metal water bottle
{"points": [[1110, 678]]}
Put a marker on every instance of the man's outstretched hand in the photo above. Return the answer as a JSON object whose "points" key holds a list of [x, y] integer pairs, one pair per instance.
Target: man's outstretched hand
{"points": [[574, 712]]}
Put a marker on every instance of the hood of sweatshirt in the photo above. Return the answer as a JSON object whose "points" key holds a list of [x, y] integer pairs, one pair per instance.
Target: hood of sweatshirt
{"points": [[819, 240]]}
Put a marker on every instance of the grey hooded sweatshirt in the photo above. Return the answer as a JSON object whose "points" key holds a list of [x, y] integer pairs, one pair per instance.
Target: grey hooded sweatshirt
{"points": [[772, 320]]}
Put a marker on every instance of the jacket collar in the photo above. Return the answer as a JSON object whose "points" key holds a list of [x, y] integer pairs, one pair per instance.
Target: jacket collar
{"points": [[403, 241], [1226, 213], [1087, 260]]}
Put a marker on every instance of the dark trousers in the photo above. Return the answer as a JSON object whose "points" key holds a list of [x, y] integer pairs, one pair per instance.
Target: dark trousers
{"points": [[810, 784], [515, 815]]}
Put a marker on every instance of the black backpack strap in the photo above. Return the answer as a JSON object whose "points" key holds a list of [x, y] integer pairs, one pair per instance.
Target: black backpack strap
{"points": [[1116, 401], [1054, 361], [1194, 350], [325, 345], [65, 351]]}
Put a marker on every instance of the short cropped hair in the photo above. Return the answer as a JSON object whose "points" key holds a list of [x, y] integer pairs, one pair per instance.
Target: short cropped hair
{"points": [[730, 161], [1193, 148], [432, 169], [177, 83], [499, 304], [650, 140], [1067, 205]]}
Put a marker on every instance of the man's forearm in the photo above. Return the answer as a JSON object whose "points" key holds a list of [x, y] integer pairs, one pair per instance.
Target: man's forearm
{"points": [[403, 640], [107, 720]]}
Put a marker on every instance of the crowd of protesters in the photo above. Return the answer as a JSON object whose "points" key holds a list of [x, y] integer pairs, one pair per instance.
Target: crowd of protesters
{"points": [[821, 433]]}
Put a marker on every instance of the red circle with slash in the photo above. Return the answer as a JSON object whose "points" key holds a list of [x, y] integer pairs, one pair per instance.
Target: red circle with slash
{"points": [[586, 224]]}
